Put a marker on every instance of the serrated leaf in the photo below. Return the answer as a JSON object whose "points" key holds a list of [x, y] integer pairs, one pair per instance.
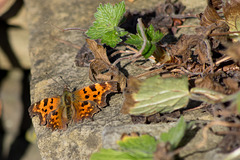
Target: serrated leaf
{"points": [[155, 94], [175, 134], [148, 50], [111, 38], [110, 154], [131, 148], [152, 38], [134, 39], [106, 23], [139, 147]]}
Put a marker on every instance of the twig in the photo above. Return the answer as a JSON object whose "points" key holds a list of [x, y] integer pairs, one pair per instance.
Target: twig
{"points": [[120, 59], [227, 58], [137, 53], [227, 133], [150, 72], [223, 33], [208, 48], [186, 26], [143, 35], [191, 73], [67, 29], [214, 123], [67, 43], [132, 49]]}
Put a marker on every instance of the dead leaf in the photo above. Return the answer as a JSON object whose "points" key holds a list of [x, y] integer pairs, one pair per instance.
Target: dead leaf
{"points": [[155, 95], [231, 12], [210, 14], [132, 87], [163, 152], [208, 83], [84, 56], [164, 19], [184, 46], [234, 52], [231, 84], [101, 69]]}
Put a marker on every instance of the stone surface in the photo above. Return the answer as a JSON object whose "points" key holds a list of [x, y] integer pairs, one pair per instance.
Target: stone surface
{"points": [[51, 59], [190, 151]]}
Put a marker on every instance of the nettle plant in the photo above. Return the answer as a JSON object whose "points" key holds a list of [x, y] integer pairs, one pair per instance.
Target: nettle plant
{"points": [[106, 27]]}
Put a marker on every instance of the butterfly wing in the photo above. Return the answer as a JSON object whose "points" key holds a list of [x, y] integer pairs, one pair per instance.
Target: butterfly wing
{"points": [[96, 93], [44, 107], [57, 119], [84, 109]]}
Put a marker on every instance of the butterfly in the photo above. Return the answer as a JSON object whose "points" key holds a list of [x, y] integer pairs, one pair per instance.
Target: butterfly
{"points": [[57, 112]]}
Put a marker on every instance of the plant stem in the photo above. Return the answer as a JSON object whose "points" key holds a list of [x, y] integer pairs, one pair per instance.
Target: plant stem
{"points": [[143, 35]]}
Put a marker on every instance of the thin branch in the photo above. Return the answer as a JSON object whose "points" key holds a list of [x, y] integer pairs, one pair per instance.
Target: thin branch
{"points": [[186, 26], [214, 123], [143, 35], [67, 43], [149, 72], [67, 29], [208, 48], [126, 51], [227, 58], [137, 53], [132, 49], [223, 33]]}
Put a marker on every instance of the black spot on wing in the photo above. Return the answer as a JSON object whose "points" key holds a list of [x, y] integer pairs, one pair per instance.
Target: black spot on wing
{"points": [[51, 101], [86, 96], [84, 91], [85, 103], [93, 87], [55, 113], [45, 101]]}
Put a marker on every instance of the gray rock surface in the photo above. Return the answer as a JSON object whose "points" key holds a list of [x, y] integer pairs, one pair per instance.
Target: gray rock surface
{"points": [[51, 59]]}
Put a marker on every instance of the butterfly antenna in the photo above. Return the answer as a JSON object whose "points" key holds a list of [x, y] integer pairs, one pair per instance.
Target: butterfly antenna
{"points": [[65, 82]]}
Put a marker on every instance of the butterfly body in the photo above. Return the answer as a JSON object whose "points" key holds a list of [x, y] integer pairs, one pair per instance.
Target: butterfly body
{"points": [[57, 112]]}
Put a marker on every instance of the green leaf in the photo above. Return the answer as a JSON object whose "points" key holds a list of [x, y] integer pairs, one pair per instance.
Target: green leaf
{"points": [[175, 134], [235, 100], [139, 147], [109, 154], [157, 94], [152, 38], [105, 26], [111, 38], [131, 148], [206, 95], [238, 102]]}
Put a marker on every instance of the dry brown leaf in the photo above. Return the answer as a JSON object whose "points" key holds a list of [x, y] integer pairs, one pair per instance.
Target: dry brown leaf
{"points": [[210, 14], [234, 52], [163, 152], [208, 83], [231, 84], [231, 12], [84, 57], [184, 46], [133, 87], [101, 69]]}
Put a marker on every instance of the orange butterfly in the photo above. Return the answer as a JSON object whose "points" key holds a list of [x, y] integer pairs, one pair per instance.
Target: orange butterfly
{"points": [[57, 112]]}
